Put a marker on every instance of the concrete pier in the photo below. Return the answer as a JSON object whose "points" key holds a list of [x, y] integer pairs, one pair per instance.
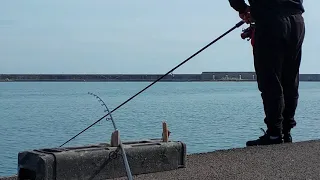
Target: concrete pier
{"points": [[300, 160], [199, 77]]}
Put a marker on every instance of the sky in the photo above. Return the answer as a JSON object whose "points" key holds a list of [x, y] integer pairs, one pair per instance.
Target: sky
{"points": [[141, 36]]}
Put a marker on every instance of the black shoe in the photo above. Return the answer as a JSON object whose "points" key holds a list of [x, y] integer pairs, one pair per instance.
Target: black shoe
{"points": [[287, 138], [265, 140]]}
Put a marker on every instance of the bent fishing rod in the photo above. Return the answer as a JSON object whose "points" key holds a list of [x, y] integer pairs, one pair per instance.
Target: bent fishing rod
{"points": [[124, 156], [125, 102]]}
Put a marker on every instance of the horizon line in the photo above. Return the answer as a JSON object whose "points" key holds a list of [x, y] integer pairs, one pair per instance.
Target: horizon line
{"points": [[139, 73]]}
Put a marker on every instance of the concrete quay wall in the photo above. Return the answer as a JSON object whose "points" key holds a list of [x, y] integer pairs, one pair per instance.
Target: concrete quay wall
{"points": [[98, 77], [204, 76]]}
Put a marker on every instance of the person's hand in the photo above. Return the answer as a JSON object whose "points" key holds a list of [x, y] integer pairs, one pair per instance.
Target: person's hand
{"points": [[246, 16]]}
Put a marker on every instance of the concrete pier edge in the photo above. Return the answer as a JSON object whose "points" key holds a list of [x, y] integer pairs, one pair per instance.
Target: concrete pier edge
{"points": [[102, 160], [298, 160]]}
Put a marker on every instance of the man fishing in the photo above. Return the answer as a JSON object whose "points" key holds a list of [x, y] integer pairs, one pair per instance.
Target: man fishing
{"points": [[278, 37]]}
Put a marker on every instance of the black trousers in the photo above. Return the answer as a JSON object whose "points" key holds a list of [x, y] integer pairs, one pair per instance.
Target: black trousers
{"points": [[277, 57]]}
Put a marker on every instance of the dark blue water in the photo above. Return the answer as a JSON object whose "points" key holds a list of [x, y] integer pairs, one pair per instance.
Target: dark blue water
{"points": [[207, 116]]}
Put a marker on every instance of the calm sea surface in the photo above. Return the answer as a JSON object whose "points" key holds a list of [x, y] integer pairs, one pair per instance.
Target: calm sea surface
{"points": [[207, 116]]}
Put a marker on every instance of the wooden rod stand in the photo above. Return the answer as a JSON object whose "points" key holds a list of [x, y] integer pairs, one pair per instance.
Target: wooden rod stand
{"points": [[165, 132], [115, 138]]}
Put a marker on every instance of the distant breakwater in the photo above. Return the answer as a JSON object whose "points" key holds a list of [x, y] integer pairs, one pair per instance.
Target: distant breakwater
{"points": [[204, 76]]}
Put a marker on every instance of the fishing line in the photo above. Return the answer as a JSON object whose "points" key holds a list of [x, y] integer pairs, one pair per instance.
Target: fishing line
{"points": [[205, 47]]}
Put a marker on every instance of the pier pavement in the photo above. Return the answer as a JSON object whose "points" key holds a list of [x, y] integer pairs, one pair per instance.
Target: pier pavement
{"points": [[295, 161]]}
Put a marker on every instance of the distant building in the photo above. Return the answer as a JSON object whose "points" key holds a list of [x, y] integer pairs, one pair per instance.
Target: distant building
{"points": [[249, 76], [216, 76]]}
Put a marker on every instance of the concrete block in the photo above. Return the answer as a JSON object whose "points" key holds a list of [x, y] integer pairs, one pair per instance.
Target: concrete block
{"points": [[101, 161]]}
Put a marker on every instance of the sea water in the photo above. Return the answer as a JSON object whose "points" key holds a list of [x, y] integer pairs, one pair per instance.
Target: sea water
{"points": [[207, 116]]}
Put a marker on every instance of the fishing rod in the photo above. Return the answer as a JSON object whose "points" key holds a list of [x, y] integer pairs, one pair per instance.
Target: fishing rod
{"points": [[124, 156], [205, 47], [107, 109]]}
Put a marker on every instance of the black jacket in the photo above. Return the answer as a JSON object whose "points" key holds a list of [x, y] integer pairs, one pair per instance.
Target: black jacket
{"points": [[266, 8]]}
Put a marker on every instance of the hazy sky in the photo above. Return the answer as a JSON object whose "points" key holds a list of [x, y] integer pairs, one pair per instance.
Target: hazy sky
{"points": [[140, 36]]}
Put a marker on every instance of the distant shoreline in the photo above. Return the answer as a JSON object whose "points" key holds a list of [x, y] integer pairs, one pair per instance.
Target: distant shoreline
{"points": [[203, 77], [125, 81]]}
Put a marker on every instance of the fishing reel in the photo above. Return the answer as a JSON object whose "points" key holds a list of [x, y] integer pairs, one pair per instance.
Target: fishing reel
{"points": [[248, 32]]}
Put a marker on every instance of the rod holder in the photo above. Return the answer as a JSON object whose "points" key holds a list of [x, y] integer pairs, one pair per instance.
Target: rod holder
{"points": [[115, 138], [165, 132]]}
